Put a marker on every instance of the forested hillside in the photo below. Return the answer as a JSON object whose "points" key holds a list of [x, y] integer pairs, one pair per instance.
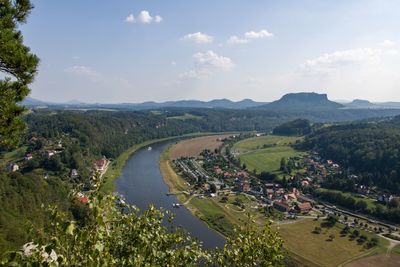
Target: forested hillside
{"points": [[77, 139], [297, 127], [369, 149], [80, 137]]}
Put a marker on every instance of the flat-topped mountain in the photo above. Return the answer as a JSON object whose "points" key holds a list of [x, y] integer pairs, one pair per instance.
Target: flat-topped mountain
{"points": [[303, 101], [360, 103]]}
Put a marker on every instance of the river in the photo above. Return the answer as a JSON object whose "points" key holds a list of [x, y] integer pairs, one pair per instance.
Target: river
{"points": [[142, 184]]}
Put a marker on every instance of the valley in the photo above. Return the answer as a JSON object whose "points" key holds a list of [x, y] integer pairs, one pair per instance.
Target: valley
{"points": [[225, 205]]}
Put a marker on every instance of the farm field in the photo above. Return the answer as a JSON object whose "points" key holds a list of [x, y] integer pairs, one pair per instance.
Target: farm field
{"points": [[315, 248], [252, 153], [257, 142], [193, 147]]}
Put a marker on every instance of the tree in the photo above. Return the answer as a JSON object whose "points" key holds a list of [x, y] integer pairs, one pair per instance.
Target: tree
{"points": [[247, 247], [244, 166], [331, 220], [317, 230], [283, 166], [373, 242], [115, 237], [361, 205], [18, 65], [355, 233], [213, 188]]}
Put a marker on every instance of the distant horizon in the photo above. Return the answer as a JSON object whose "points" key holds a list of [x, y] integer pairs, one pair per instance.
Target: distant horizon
{"points": [[207, 100]]}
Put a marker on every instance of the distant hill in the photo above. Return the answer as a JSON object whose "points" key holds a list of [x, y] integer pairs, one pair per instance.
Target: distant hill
{"points": [[388, 105], [303, 101], [216, 103], [32, 102], [359, 103], [290, 102]]}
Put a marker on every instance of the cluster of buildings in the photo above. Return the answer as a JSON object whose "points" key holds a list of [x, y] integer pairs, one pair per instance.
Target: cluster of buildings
{"points": [[214, 169], [42, 154]]}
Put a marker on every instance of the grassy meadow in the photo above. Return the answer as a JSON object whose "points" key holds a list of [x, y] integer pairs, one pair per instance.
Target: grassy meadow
{"points": [[265, 153], [317, 249]]}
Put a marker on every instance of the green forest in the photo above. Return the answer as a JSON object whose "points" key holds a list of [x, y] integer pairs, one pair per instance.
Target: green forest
{"points": [[371, 150]]}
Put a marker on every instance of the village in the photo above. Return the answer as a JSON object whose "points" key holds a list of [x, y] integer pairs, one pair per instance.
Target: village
{"points": [[218, 173], [43, 156]]}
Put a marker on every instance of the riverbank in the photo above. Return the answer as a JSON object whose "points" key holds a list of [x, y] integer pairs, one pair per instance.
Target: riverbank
{"points": [[115, 168], [223, 216], [220, 216]]}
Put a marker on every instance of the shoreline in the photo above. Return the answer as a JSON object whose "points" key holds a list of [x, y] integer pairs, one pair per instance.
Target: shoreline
{"points": [[177, 183], [116, 165]]}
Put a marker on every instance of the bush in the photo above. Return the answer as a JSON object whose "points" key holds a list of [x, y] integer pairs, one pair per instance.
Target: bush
{"points": [[112, 237]]}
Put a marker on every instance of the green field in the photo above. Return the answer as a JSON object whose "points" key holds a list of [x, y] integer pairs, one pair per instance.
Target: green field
{"points": [[252, 153], [316, 248], [187, 116], [13, 156], [257, 142]]}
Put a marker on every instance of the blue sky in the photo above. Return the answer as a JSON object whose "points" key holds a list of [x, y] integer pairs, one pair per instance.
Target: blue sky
{"points": [[140, 50]]}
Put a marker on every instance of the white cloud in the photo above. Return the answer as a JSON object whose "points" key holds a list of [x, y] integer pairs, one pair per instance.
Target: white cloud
{"points": [[258, 35], [388, 43], [188, 75], [130, 18], [237, 40], [248, 36], [158, 19], [345, 58], [205, 64], [198, 37], [212, 60], [82, 71], [368, 71], [144, 17]]}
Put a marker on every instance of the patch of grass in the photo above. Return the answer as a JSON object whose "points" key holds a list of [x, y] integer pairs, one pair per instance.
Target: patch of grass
{"points": [[300, 239], [187, 116], [268, 159], [265, 153], [258, 142], [213, 214], [396, 249], [171, 178], [13, 156]]}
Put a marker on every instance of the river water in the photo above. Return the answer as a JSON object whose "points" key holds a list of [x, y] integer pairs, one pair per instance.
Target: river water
{"points": [[142, 184]]}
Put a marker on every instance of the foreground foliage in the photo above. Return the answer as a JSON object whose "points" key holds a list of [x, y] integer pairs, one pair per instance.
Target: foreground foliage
{"points": [[17, 65], [122, 236]]}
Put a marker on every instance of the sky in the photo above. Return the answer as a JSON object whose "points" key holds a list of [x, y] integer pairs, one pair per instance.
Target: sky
{"points": [[156, 50]]}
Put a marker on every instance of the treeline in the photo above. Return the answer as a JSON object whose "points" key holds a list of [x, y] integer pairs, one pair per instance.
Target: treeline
{"points": [[384, 212], [370, 150], [297, 127]]}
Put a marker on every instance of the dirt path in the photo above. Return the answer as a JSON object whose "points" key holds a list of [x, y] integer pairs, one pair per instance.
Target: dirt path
{"points": [[392, 244]]}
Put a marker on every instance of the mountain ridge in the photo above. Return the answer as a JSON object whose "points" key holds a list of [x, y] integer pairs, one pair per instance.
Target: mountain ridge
{"points": [[302, 101]]}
